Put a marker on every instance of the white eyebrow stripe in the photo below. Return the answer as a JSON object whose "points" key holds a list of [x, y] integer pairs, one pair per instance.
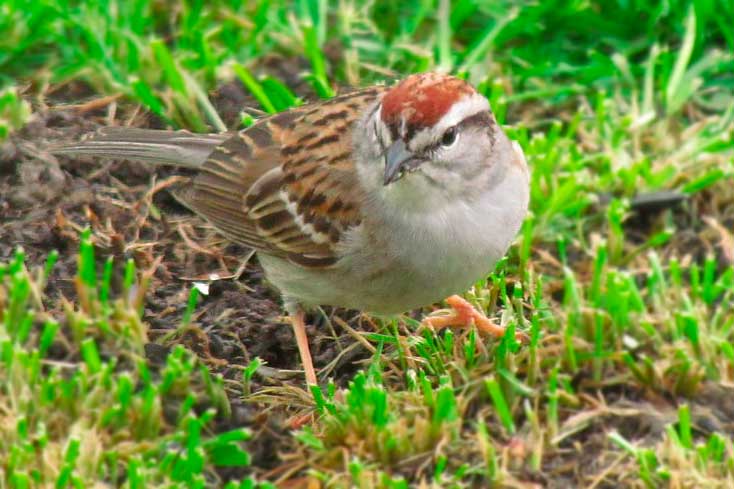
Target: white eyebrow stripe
{"points": [[464, 108]]}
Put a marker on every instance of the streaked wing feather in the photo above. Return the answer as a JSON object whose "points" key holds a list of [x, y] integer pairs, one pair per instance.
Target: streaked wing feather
{"points": [[218, 192], [304, 207], [287, 185]]}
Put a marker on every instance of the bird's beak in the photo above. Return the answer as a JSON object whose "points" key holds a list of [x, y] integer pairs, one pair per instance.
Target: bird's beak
{"points": [[395, 157]]}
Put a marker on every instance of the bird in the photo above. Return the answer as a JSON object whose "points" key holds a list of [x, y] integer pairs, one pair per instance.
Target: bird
{"points": [[383, 199]]}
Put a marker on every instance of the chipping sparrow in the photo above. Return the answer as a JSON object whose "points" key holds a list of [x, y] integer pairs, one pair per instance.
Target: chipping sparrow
{"points": [[383, 199]]}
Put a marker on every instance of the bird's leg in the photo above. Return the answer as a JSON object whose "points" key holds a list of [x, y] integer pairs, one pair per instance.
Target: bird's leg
{"points": [[298, 321], [463, 315]]}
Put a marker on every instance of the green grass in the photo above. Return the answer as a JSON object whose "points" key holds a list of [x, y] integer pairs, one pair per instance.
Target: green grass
{"points": [[96, 410], [625, 380]]}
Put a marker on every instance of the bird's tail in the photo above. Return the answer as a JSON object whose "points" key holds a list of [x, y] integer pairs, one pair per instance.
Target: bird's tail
{"points": [[177, 148]]}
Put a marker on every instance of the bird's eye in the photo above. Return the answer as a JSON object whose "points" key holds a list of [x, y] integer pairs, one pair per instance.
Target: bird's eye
{"points": [[449, 137]]}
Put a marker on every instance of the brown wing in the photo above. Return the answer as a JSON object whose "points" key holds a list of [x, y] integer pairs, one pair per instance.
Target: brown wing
{"points": [[217, 193], [287, 185]]}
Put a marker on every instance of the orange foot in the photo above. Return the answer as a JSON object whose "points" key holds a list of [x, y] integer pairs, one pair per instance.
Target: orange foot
{"points": [[464, 314]]}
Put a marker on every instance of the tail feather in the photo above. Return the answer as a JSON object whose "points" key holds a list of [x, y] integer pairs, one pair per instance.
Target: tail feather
{"points": [[177, 148]]}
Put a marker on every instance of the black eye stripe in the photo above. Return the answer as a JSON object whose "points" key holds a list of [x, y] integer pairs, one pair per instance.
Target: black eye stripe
{"points": [[480, 120]]}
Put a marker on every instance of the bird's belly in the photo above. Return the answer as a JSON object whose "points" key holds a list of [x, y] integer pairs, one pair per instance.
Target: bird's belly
{"points": [[379, 283], [402, 265], [424, 277]]}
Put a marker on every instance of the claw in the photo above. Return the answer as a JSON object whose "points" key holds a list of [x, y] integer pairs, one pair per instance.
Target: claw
{"points": [[464, 314]]}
